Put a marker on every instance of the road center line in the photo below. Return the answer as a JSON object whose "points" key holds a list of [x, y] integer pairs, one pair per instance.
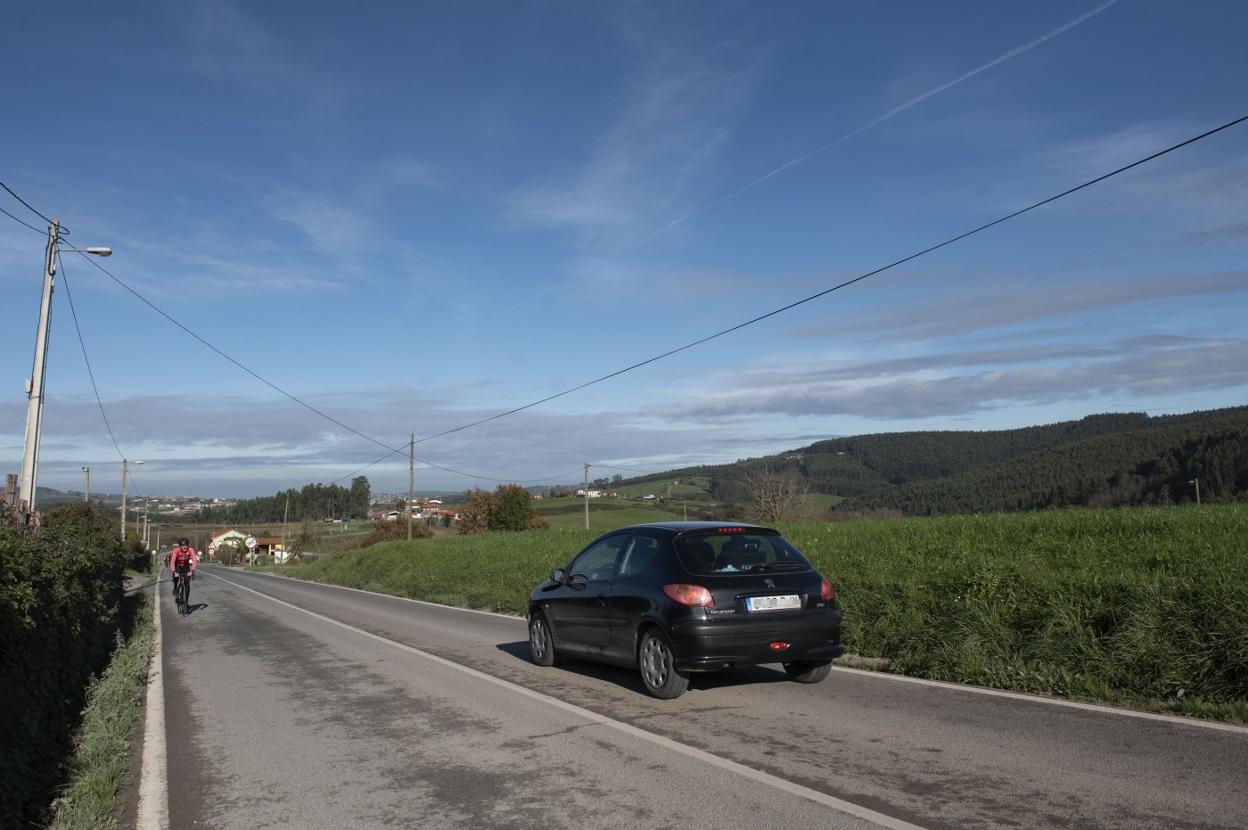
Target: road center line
{"points": [[840, 805], [1198, 723]]}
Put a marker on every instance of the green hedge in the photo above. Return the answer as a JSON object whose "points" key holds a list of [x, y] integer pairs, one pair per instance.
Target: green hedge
{"points": [[60, 593]]}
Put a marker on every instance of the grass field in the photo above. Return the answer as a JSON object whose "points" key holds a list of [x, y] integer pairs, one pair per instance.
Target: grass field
{"points": [[1141, 605]]}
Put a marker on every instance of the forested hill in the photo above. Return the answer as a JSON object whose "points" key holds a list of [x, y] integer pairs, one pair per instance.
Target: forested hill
{"points": [[1151, 462], [314, 501], [1099, 460]]}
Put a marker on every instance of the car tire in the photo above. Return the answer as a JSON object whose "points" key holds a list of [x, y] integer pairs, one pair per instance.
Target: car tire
{"points": [[541, 641], [656, 661], [806, 671]]}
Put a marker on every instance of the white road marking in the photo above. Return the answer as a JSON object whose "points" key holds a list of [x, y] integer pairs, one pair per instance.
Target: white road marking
{"points": [[1051, 701], [153, 788], [846, 807], [391, 596], [1198, 723]]}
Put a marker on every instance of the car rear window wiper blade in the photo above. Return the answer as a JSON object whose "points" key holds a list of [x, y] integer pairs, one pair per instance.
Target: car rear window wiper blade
{"points": [[778, 566]]}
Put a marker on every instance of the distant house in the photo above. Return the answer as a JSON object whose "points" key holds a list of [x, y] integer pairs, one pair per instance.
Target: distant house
{"points": [[392, 516], [268, 545], [228, 536], [647, 496]]}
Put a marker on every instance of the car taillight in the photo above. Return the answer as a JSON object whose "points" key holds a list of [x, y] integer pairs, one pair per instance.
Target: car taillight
{"points": [[826, 592], [694, 595]]}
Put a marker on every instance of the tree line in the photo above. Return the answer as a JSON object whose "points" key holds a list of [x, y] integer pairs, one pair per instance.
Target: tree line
{"points": [[314, 502], [1101, 460]]}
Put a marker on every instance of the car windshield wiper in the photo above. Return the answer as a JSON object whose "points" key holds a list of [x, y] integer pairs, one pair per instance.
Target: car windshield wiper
{"points": [[777, 566]]}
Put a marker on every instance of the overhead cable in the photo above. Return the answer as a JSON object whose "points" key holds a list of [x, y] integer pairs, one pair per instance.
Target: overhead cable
{"points": [[845, 284]]}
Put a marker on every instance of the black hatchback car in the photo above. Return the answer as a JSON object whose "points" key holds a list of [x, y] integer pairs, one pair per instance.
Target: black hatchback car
{"points": [[681, 597]]}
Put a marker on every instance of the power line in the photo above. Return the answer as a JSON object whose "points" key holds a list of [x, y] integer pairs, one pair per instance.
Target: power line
{"points": [[255, 375], [21, 222], [27, 204], [270, 384], [845, 284], [629, 469], [456, 472], [85, 359]]}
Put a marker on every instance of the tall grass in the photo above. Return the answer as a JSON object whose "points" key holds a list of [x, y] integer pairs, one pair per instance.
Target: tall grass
{"points": [[1142, 605]]}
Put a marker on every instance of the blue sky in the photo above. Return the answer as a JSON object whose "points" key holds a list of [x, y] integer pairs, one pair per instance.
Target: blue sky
{"points": [[413, 216]]}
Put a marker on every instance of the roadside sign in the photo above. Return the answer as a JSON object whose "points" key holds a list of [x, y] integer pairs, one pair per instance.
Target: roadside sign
{"points": [[212, 549], [250, 542]]}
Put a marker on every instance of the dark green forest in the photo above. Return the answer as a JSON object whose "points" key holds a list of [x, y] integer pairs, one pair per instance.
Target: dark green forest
{"points": [[314, 502], [1097, 461]]}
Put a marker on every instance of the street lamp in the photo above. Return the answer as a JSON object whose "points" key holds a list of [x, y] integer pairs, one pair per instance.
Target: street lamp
{"points": [[1196, 481], [86, 494], [35, 385], [125, 474]]}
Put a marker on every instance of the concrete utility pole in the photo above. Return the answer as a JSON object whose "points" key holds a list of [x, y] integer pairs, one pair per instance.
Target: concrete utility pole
{"points": [[1196, 481], [411, 481], [35, 385], [86, 494], [125, 473], [587, 495]]}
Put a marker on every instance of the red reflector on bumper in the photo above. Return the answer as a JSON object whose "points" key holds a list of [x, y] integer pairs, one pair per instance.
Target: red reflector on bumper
{"points": [[779, 645]]}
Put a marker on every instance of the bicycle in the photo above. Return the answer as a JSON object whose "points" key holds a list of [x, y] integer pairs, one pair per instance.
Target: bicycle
{"points": [[182, 594]]}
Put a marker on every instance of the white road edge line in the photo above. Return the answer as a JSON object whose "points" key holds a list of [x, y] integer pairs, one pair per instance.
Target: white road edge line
{"points": [[390, 596], [1180, 720], [846, 807], [1051, 701], [153, 807]]}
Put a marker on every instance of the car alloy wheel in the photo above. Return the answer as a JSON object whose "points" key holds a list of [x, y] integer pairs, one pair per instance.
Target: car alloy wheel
{"points": [[658, 667], [541, 644]]}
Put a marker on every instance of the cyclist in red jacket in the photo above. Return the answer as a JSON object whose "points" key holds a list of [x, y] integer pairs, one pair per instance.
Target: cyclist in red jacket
{"points": [[182, 562]]}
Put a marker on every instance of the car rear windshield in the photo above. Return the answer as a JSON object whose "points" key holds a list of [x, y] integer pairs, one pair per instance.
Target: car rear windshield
{"points": [[738, 551]]}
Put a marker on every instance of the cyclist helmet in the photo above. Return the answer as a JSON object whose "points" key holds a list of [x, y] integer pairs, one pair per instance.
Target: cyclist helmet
{"points": [[183, 541]]}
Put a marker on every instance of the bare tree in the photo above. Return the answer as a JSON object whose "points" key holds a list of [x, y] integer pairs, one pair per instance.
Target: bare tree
{"points": [[777, 495]]}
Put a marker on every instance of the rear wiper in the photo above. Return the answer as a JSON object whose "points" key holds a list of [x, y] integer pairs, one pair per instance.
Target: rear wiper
{"points": [[778, 566]]}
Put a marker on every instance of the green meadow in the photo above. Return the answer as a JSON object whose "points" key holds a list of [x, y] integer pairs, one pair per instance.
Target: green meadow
{"points": [[1144, 606]]}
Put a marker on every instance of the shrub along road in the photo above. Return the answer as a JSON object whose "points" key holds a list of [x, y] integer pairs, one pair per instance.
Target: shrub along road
{"points": [[279, 716]]}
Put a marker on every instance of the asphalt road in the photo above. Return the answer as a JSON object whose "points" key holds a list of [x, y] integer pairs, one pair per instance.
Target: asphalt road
{"points": [[373, 711]]}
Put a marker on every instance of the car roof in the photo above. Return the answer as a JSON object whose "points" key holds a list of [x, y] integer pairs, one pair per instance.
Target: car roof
{"points": [[684, 527]]}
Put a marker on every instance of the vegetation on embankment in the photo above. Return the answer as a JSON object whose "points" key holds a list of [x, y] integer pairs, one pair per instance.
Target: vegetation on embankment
{"points": [[61, 608], [101, 762], [1147, 606]]}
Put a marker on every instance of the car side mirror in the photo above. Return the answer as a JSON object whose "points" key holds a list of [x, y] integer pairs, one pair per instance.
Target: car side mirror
{"points": [[556, 575], [578, 582]]}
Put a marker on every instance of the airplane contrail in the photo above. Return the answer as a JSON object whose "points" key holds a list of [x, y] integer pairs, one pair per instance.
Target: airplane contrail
{"points": [[893, 113], [875, 122]]}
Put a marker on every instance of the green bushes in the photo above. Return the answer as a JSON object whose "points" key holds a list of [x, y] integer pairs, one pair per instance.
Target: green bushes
{"points": [[59, 598]]}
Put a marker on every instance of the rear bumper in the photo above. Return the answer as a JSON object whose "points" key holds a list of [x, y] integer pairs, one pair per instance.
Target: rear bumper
{"points": [[707, 645]]}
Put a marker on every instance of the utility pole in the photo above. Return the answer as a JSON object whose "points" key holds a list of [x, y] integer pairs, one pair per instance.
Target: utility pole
{"points": [[125, 473], [35, 385], [411, 481], [587, 495], [86, 494], [1196, 481], [285, 516]]}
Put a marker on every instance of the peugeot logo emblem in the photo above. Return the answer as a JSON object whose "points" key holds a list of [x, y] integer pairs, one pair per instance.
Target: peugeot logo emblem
{"points": [[770, 583]]}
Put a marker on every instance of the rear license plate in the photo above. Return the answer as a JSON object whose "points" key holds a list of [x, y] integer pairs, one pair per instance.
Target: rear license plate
{"points": [[773, 603]]}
